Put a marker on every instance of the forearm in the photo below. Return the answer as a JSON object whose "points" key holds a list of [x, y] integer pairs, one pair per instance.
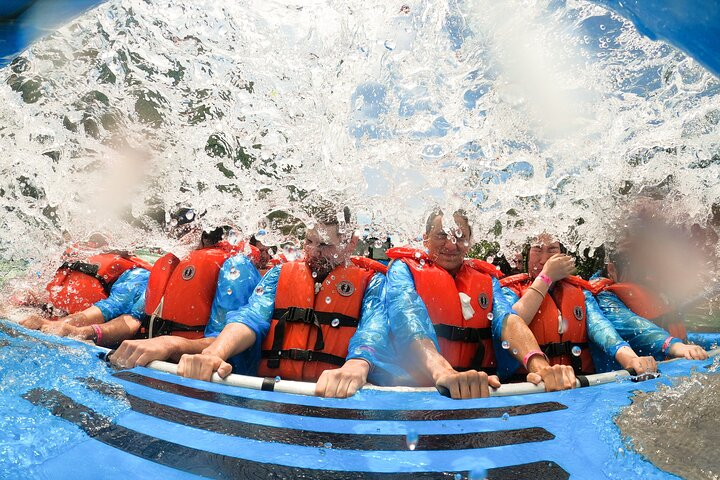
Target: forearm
{"points": [[522, 341], [528, 305], [624, 355], [430, 363], [113, 332], [89, 316], [234, 338]]}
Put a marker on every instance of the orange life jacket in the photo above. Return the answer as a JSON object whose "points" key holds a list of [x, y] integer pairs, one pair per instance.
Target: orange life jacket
{"points": [[646, 304], [464, 342], [310, 332], [179, 293], [562, 309], [77, 285]]}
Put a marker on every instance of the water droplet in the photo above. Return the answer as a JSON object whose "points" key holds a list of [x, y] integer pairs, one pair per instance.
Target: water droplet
{"points": [[390, 45], [576, 351], [229, 291], [458, 476], [477, 474], [262, 231], [490, 259], [602, 27], [328, 300], [418, 255], [314, 274], [277, 379], [412, 439], [259, 290], [505, 344], [335, 322], [505, 417], [514, 351], [377, 244], [422, 262], [234, 274], [335, 255], [490, 316], [327, 445], [332, 277]]}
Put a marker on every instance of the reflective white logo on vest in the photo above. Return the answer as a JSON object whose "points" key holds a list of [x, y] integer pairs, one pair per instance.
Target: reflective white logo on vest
{"points": [[578, 312], [483, 300], [188, 272], [468, 311], [345, 288]]}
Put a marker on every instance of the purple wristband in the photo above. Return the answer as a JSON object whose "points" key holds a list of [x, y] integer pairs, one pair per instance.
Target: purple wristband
{"points": [[545, 279]]}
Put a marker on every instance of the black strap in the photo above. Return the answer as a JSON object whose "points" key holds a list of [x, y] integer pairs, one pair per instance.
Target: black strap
{"points": [[559, 349], [302, 356], [90, 269], [462, 334], [160, 327], [324, 318]]}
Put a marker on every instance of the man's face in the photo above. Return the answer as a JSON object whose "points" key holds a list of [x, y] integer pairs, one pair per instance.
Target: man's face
{"points": [[540, 252], [324, 248], [266, 253], [448, 249]]}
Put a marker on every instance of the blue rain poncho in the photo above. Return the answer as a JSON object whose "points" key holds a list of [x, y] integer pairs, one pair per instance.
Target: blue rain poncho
{"points": [[604, 340], [370, 341], [646, 338], [409, 318], [127, 290]]}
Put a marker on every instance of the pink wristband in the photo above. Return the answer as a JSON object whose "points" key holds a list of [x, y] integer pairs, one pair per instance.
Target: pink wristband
{"points": [[98, 333], [667, 344], [531, 354], [545, 279]]}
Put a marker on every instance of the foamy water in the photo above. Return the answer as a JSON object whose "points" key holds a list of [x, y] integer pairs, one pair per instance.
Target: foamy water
{"points": [[531, 115]]}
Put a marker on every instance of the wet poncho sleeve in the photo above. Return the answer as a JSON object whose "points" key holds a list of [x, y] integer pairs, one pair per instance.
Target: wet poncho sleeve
{"points": [[125, 293], [407, 314], [256, 315], [604, 340], [371, 341], [237, 280], [507, 364], [644, 337]]}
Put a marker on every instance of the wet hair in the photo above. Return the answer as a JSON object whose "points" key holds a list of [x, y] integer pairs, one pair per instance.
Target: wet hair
{"points": [[214, 236], [439, 213]]}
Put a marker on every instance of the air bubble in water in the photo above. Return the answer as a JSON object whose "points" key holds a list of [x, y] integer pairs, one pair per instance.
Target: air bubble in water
{"points": [[505, 344], [411, 439], [576, 351], [514, 351], [335, 322], [314, 274], [328, 299]]}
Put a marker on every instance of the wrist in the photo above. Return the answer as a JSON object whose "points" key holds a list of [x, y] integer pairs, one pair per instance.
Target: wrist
{"points": [[359, 364], [535, 360], [545, 278], [90, 332], [624, 356]]}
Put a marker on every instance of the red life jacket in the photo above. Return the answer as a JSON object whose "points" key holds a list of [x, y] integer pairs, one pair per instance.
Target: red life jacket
{"points": [[465, 343], [647, 304], [563, 307], [179, 293], [78, 285], [310, 332]]}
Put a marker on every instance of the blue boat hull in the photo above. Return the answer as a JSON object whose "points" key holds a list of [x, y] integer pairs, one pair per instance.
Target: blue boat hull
{"points": [[182, 428]]}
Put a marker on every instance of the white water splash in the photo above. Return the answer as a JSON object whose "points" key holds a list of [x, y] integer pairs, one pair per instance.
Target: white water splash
{"points": [[532, 115]]}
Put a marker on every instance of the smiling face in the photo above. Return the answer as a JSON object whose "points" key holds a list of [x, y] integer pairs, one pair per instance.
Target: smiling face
{"points": [[540, 252], [448, 249]]}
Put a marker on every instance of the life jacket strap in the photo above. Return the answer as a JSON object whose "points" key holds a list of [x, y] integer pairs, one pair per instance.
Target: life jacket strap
{"points": [[301, 356], [296, 314], [559, 349], [160, 326], [89, 269], [462, 334]]}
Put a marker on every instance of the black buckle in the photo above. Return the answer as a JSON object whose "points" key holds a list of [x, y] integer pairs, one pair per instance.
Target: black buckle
{"points": [[300, 355], [556, 349], [299, 314], [459, 334]]}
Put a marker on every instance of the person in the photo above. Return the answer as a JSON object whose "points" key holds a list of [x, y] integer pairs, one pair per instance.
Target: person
{"points": [[563, 315], [447, 316], [321, 318], [638, 314], [236, 282], [176, 301], [85, 277]]}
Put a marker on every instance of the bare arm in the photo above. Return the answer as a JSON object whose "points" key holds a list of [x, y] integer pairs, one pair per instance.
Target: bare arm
{"points": [[132, 353], [556, 268], [234, 338]]}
